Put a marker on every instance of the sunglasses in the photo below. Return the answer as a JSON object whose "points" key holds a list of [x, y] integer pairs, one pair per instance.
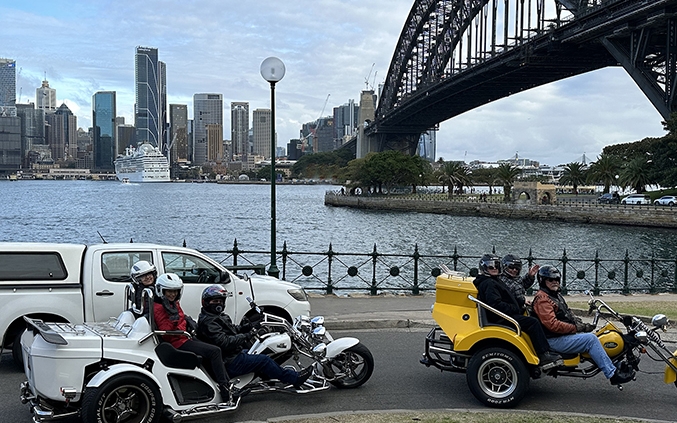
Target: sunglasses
{"points": [[552, 279]]}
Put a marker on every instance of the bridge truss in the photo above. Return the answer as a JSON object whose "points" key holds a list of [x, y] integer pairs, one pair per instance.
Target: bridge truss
{"points": [[455, 55]]}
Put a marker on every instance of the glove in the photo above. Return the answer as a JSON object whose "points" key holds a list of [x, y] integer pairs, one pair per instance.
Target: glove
{"points": [[584, 327]]}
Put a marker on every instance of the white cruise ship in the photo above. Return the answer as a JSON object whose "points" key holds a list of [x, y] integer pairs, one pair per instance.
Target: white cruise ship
{"points": [[143, 164]]}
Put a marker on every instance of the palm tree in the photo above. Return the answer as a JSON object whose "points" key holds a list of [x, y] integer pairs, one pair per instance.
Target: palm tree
{"points": [[454, 174], [506, 175], [604, 170], [574, 174], [485, 176], [635, 174]]}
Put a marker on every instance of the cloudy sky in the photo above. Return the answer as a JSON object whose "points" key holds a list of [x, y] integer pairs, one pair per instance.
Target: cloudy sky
{"points": [[328, 47]]}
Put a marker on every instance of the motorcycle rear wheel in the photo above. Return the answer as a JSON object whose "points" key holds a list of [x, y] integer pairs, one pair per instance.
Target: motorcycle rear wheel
{"points": [[125, 398], [357, 362], [497, 377]]}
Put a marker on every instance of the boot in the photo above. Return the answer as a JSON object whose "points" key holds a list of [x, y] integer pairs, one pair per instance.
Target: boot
{"points": [[621, 377], [303, 377], [548, 357]]}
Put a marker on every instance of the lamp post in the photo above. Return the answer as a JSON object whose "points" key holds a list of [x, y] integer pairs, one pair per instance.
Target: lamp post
{"points": [[272, 70]]}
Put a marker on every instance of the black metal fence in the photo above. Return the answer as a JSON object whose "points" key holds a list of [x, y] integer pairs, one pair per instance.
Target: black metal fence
{"points": [[375, 272]]}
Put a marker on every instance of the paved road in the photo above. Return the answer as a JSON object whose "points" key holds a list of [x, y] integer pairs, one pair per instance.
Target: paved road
{"points": [[400, 382]]}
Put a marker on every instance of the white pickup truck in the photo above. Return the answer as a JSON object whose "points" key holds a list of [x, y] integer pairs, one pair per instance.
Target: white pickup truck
{"points": [[79, 283]]}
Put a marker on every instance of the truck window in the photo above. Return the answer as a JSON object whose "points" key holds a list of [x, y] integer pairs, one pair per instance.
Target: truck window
{"points": [[115, 265], [46, 266], [191, 269]]}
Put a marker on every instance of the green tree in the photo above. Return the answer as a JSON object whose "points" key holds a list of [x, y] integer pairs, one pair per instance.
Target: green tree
{"points": [[506, 174], [454, 175], [484, 176], [574, 174], [604, 171], [635, 174]]}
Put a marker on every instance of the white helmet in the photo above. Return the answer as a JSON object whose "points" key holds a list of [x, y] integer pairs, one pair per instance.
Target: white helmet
{"points": [[142, 268], [168, 281]]}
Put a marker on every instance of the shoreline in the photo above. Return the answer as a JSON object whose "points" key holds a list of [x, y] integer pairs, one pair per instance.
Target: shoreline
{"points": [[605, 214]]}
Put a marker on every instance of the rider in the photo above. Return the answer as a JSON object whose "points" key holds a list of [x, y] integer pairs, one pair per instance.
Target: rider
{"points": [[566, 332], [216, 327], [511, 266], [168, 316], [496, 294], [143, 276]]}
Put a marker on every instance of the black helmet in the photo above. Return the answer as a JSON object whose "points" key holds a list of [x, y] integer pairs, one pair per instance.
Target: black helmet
{"points": [[547, 272], [512, 261], [489, 261], [214, 292]]}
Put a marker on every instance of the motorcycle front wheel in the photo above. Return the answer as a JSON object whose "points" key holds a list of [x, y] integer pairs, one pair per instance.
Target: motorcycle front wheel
{"points": [[356, 364], [126, 398], [497, 377]]}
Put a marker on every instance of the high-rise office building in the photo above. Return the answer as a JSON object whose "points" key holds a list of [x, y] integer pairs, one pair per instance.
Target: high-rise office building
{"points": [[7, 84], [151, 97], [125, 136], [178, 133], [62, 127], [207, 109], [10, 143], [239, 129], [103, 124], [45, 98], [261, 130], [214, 143], [345, 119], [32, 128]]}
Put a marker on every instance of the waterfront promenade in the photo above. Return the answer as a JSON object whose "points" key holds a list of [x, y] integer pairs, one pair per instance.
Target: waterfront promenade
{"points": [[569, 211]]}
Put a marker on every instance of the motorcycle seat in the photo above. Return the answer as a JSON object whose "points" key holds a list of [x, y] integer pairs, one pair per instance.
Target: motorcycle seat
{"points": [[176, 359]]}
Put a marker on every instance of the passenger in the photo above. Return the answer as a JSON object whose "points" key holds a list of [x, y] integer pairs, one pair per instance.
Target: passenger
{"points": [[216, 327], [511, 266], [143, 276], [169, 316], [496, 294], [566, 332]]}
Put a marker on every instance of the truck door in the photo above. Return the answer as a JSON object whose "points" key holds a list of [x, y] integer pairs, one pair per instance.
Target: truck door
{"points": [[110, 276]]}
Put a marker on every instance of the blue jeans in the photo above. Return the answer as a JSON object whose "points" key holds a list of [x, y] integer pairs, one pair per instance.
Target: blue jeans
{"points": [[584, 342], [262, 365]]}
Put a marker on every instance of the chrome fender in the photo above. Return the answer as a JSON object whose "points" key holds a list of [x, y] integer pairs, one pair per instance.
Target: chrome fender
{"points": [[117, 369], [337, 346]]}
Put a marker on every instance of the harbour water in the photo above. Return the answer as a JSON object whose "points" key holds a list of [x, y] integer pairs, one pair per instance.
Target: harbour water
{"points": [[211, 216]]}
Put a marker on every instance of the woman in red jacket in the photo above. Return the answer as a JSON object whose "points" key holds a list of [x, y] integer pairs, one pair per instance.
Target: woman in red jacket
{"points": [[169, 316]]}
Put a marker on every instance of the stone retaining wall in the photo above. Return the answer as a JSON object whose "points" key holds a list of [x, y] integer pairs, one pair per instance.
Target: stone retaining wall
{"points": [[630, 215]]}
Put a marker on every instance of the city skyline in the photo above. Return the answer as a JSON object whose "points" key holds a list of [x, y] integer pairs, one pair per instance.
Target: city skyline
{"points": [[328, 47]]}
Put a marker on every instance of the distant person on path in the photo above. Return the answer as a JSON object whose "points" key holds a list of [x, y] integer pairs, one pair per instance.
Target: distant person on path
{"points": [[169, 316], [496, 294], [566, 333], [511, 266], [216, 328]]}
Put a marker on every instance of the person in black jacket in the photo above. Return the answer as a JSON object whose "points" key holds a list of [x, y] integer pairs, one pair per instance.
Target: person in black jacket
{"points": [[496, 294], [216, 327]]}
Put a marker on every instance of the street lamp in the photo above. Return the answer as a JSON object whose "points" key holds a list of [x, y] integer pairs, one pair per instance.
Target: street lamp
{"points": [[272, 70]]}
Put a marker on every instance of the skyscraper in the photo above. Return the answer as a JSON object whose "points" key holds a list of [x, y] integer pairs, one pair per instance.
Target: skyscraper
{"points": [[261, 128], [151, 97], [103, 124], [239, 129], [207, 109], [61, 132], [45, 98], [178, 124], [7, 83]]}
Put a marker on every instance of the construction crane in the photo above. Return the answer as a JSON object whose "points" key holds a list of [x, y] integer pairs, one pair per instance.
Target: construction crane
{"points": [[366, 80], [317, 124]]}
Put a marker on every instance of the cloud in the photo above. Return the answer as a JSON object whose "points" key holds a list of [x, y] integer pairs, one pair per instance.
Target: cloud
{"points": [[328, 47]]}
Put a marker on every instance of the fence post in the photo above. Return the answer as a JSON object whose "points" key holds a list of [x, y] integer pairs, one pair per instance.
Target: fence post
{"points": [[284, 261], [455, 258], [565, 260], [595, 289], [652, 286], [374, 255], [674, 282], [330, 255], [626, 281], [235, 252], [416, 256], [530, 262]]}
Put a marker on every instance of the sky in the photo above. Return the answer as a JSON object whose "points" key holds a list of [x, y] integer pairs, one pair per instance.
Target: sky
{"points": [[331, 48]]}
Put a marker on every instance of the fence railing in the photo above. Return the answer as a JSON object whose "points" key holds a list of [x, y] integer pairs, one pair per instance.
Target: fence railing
{"points": [[413, 272]]}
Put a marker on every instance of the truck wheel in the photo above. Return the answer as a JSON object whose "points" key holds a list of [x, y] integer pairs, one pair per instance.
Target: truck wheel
{"points": [[126, 398], [497, 377], [17, 355]]}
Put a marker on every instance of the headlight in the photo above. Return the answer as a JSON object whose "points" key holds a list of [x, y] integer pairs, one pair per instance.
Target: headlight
{"points": [[299, 294]]}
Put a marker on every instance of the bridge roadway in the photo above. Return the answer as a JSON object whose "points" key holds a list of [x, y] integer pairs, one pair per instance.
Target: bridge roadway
{"points": [[394, 327]]}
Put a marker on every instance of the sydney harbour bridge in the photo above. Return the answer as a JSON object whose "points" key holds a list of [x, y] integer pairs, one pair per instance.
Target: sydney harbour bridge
{"points": [[456, 55]]}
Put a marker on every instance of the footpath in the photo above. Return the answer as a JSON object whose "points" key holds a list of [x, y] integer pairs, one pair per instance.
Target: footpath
{"points": [[389, 311]]}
